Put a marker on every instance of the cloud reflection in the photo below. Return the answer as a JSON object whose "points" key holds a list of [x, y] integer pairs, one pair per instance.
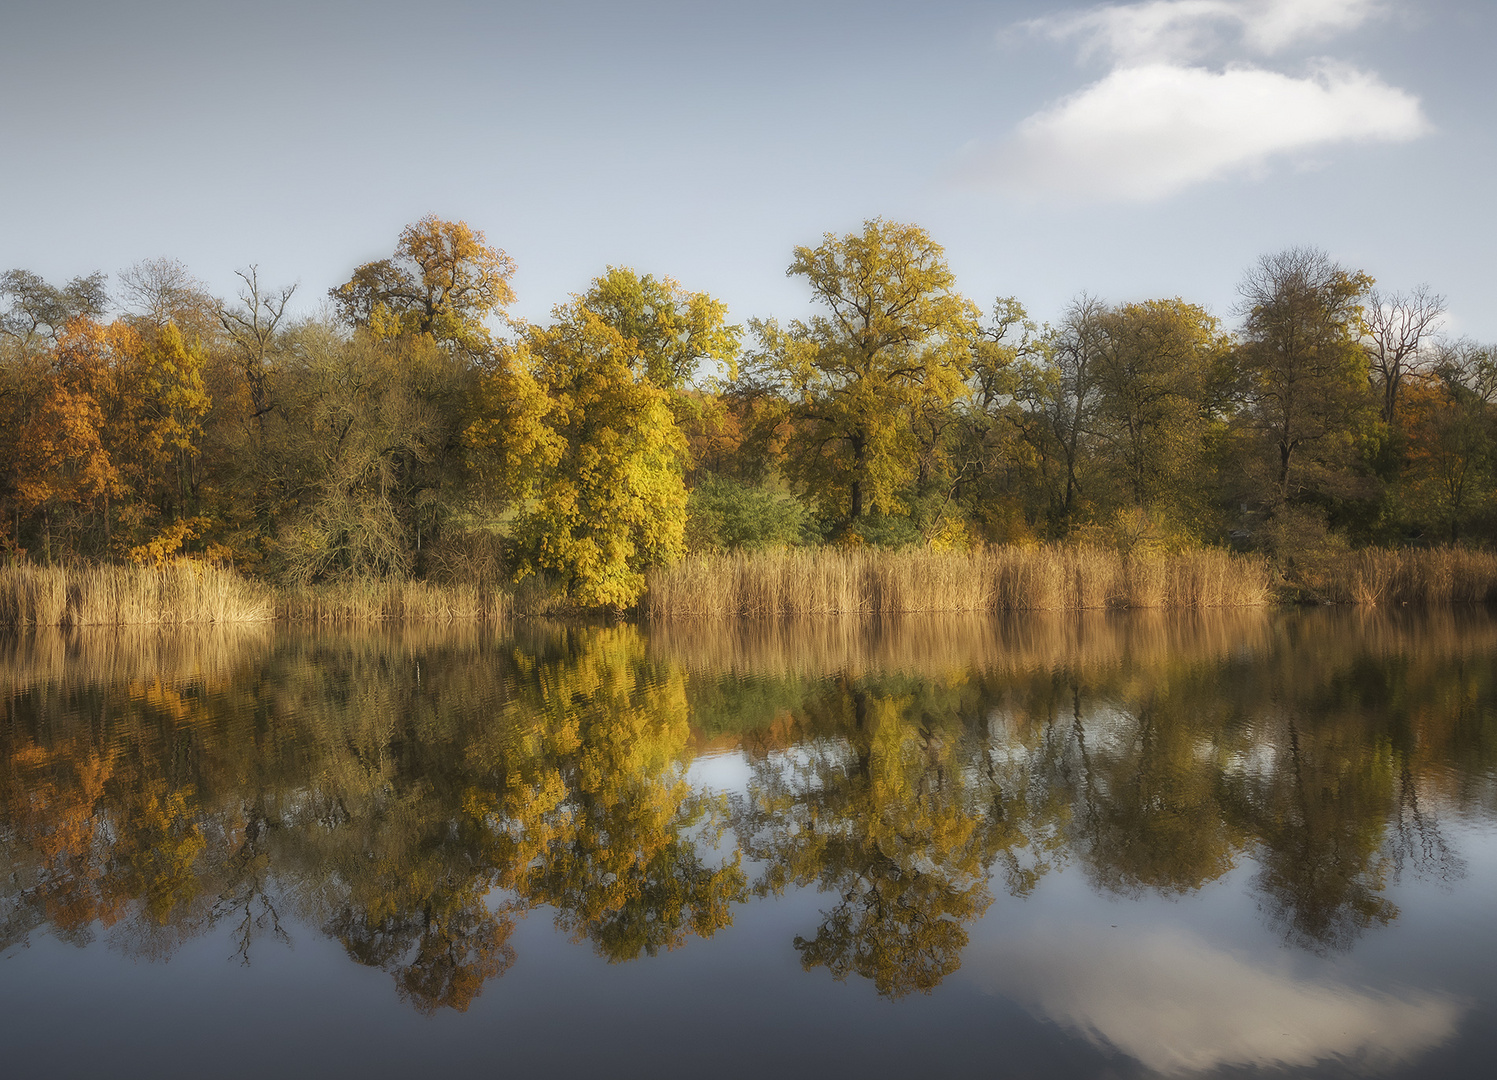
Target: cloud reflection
{"points": [[1179, 1005]]}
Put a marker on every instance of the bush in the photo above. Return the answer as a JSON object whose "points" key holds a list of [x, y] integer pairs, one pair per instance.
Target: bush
{"points": [[725, 515]]}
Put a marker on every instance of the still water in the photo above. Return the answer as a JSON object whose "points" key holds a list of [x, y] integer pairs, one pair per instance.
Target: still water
{"points": [[1109, 846]]}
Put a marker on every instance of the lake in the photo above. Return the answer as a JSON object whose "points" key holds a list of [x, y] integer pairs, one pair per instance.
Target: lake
{"points": [[1110, 845]]}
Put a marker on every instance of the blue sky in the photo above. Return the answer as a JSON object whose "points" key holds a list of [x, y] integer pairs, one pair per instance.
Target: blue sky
{"points": [[1128, 150]]}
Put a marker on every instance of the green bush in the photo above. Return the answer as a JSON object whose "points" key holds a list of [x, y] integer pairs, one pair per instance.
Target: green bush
{"points": [[725, 515]]}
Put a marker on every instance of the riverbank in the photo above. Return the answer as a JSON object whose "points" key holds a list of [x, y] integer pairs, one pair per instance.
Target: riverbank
{"points": [[793, 583]]}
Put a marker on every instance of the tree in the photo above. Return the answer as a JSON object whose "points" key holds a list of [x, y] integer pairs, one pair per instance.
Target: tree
{"points": [[155, 432], [1394, 329], [1452, 438], [38, 313], [897, 340], [1306, 371], [444, 280], [1064, 393], [64, 469], [675, 331], [361, 470], [155, 292], [602, 478], [252, 329], [1157, 367], [1002, 442]]}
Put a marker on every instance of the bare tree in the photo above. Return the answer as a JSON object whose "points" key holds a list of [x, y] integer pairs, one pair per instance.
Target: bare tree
{"points": [[252, 328], [1470, 366], [34, 311], [1076, 351], [159, 291], [1394, 328]]}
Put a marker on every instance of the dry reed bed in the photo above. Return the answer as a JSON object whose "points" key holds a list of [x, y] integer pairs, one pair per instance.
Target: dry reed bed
{"points": [[1383, 576], [178, 594], [197, 594], [1056, 577]]}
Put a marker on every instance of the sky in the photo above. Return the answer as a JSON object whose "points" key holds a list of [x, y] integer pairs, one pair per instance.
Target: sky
{"points": [[1128, 151]]}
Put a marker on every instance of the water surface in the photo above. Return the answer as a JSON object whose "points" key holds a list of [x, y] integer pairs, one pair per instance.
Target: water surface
{"points": [[1092, 847]]}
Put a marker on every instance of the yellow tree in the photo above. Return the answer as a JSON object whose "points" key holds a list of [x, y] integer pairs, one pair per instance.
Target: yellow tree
{"points": [[602, 468], [896, 342], [157, 434], [676, 331], [444, 279]]}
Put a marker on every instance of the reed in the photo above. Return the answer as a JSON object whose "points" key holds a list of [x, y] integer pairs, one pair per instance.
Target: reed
{"points": [[801, 583], [954, 645], [189, 593], [182, 593], [1394, 577]]}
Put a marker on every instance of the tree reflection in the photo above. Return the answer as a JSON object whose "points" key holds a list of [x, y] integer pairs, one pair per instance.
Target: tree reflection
{"points": [[885, 806], [615, 833], [413, 797]]}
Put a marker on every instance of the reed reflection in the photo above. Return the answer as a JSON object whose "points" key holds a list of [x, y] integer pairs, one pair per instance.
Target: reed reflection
{"points": [[412, 794]]}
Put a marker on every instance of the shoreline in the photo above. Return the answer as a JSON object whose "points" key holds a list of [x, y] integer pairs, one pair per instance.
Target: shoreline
{"points": [[774, 585]]}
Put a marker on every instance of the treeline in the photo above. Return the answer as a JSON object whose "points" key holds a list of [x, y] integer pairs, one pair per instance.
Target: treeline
{"points": [[414, 428]]}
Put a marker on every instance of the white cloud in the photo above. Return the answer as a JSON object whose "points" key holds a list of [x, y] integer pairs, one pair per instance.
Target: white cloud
{"points": [[1148, 131], [1163, 119], [1178, 1004], [1190, 29]]}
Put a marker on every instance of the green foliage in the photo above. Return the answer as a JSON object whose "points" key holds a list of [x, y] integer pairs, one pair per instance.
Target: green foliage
{"points": [[726, 515], [1306, 374]]}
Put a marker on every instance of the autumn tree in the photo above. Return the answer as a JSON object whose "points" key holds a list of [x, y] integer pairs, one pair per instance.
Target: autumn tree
{"points": [[64, 470], [675, 332], [33, 316], [1004, 449], [1161, 369], [1305, 369], [252, 327], [895, 341], [444, 279], [155, 292], [602, 478], [1451, 433], [157, 434], [362, 474], [36, 313]]}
